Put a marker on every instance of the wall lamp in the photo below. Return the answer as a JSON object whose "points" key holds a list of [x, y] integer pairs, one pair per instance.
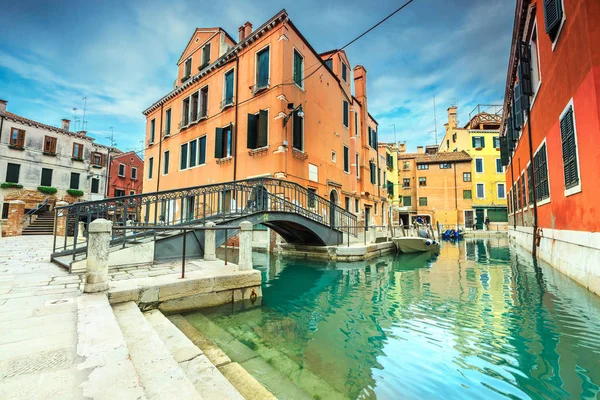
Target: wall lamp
{"points": [[291, 107]]}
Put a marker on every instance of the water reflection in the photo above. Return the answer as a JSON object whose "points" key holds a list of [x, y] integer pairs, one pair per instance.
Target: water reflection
{"points": [[479, 320]]}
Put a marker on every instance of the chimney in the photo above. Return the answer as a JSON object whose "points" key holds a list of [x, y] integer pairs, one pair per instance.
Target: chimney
{"points": [[452, 116], [402, 147], [3, 105], [420, 149], [360, 83], [244, 31], [82, 133], [66, 124]]}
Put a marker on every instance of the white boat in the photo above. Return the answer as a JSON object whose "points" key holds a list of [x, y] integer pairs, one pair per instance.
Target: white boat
{"points": [[416, 244]]}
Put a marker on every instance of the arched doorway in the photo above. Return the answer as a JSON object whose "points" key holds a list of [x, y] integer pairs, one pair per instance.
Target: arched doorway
{"points": [[333, 201]]}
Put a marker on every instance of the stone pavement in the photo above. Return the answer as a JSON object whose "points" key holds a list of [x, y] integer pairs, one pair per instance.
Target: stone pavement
{"points": [[38, 323]]}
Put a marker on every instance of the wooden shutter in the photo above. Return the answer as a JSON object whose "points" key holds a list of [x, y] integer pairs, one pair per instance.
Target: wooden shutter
{"points": [[297, 140], [12, 173], [504, 150], [74, 181], [482, 141], [183, 156], [219, 143], [263, 123], [473, 142], [346, 121], [202, 150], [346, 160], [21, 138], [524, 69], [370, 137], [569, 149], [552, 16], [252, 131], [530, 183]]}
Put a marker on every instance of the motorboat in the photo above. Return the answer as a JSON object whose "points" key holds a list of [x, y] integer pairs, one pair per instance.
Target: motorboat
{"points": [[416, 244]]}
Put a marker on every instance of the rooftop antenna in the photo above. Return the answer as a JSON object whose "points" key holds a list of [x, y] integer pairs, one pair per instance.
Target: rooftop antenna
{"points": [[83, 121], [435, 120], [75, 118]]}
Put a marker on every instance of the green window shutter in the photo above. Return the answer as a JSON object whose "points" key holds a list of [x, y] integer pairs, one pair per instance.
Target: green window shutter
{"points": [[252, 131], [193, 153], [263, 122], [297, 139], [370, 137], [229, 87], [569, 150], [346, 160], [482, 141], [552, 16], [219, 143], [263, 69], [346, 123], [504, 150], [202, 146], [183, 156], [473, 141], [298, 61]]}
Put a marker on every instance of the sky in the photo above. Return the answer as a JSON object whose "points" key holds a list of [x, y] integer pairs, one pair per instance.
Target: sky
{"points": [[122, 56]]}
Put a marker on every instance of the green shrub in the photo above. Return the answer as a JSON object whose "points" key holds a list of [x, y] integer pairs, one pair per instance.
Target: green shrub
{"points": [[75, 192], [47, 189], [11, 185]]}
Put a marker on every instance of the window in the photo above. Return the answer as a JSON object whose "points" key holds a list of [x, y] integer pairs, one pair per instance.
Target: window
{"points": [[372, 138], [313, 173], [262, 69], [329, 63], [378, 176], [185, 112], [357, 166], [466, 177], [372, 170], [119, 193], [499, 167], [5, 210], [298, 131], [422, 166], [407, 201], [298, 69], [406, 165], [166, 156], [344, 72], [132, 192], [202, 150], [228, 88], [150, 167], [187, 68], [97, 159], [406, 183], [46, 177], [133, 173], [95, 185], [193, 107], [183, 156], [193, 154], [168, 122], [77, 151], [356, 205], [17, 137], [496, 142], [502, 191], [347, 203], [423, 201], [480, 191], [422, 181], [536, 77], [569, 148], [223, 142], [311, 197], [375, 208], [12, 172], [467, 195], [122, 170], [333, 156], [258, 126], [454, 137], [346, 159], [390, 188], [74, 184], [530, 183], [448, 144], [205, 56], [478, 142], [553, 16], [479, 165], [50, 145], [445, 166], [203, 102], [152, 127], [540, 169], [524, 189], [356, 124], [345, 113]]}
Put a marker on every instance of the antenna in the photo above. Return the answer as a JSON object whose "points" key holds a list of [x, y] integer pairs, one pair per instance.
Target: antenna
{"points": [[435, 120], [83, 121]]}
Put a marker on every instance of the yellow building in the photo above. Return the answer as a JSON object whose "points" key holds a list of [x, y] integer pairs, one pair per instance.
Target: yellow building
{"points": [[390, 152], [480, 139]]}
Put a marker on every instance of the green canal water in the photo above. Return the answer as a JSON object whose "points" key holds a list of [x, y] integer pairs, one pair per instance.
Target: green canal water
{"points": [[479, 321]]}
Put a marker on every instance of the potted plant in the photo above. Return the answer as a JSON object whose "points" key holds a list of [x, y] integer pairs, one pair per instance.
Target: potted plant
{"points": [[75, 192], [11, 185]]}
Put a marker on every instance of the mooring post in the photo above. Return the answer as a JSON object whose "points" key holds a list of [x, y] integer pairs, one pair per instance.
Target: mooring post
{"points": [[210, 251], [96, 274], [245, 262]]}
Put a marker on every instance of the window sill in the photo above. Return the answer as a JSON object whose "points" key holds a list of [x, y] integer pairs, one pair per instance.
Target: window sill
{"points": [[97, 166], [258, 89], [224, 160], [258, 152], [15, 147], [543, 202], [226, 106], [77, 159], [574, 190], [299, 154], [49, 153]]}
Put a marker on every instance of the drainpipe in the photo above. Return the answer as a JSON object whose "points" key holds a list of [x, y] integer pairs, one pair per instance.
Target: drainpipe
{"points": [[235, 123], [535, 214], [160, 137], [1, 125], [512, 175]]}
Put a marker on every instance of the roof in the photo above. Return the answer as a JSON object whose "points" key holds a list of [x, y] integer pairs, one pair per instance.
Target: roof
{"points": [[30, 122], [126, 154], [438, 158]]}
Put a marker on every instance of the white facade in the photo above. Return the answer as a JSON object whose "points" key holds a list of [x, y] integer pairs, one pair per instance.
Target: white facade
{"points": [[29, 154]]}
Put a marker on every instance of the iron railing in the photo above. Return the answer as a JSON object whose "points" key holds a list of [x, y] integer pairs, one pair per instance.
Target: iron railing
{"points": [[35, 210], [196, 205]]}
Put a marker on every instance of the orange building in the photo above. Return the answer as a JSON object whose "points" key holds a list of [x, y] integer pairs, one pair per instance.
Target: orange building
{"points": [[267, 105], [550, 139], [436, 187]]}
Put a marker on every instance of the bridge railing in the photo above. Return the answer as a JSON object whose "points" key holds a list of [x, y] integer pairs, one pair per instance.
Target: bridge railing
{"points": [[217, 202]]}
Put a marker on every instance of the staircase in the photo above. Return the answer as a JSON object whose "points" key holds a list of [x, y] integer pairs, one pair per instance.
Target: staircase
{"points": [[43, 225]]}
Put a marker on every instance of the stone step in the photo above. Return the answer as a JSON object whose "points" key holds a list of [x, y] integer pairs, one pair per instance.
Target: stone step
{"points": [[37, 233], [207, 379], [160, 374]]}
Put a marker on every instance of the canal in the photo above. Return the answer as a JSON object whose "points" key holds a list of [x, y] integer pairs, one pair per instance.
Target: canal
{"points": [[479, 320]]}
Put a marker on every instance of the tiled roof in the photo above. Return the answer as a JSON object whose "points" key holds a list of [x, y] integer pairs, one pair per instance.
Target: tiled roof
{"points": [[407, 156], [449, 157]]}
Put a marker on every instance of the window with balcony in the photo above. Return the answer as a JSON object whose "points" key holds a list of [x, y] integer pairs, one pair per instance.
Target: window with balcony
{"points": [[298, 69], [77, 151], [258, 130], [223, 142], [228, 89], [422, 181], [185, 112], [262, 69], [194, 107], [50, 145], [17, 138]]}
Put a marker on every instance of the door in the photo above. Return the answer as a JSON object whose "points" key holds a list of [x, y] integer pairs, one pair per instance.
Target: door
{"points": [[367, 217], [469, 219], [332, 203], [479, 218]]}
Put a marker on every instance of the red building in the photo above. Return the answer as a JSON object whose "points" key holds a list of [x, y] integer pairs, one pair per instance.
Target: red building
{"points": [[553, 103], [126, 175]]}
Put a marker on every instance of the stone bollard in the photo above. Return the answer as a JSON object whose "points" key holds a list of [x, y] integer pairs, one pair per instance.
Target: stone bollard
{"points": [[96, 274], [210, 250], [61, 219], [373, 230], [81, 229], [245, 262], [14, 223]]}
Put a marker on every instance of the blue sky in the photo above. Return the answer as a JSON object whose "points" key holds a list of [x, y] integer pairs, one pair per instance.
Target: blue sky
{"points": [[122, 56]]}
